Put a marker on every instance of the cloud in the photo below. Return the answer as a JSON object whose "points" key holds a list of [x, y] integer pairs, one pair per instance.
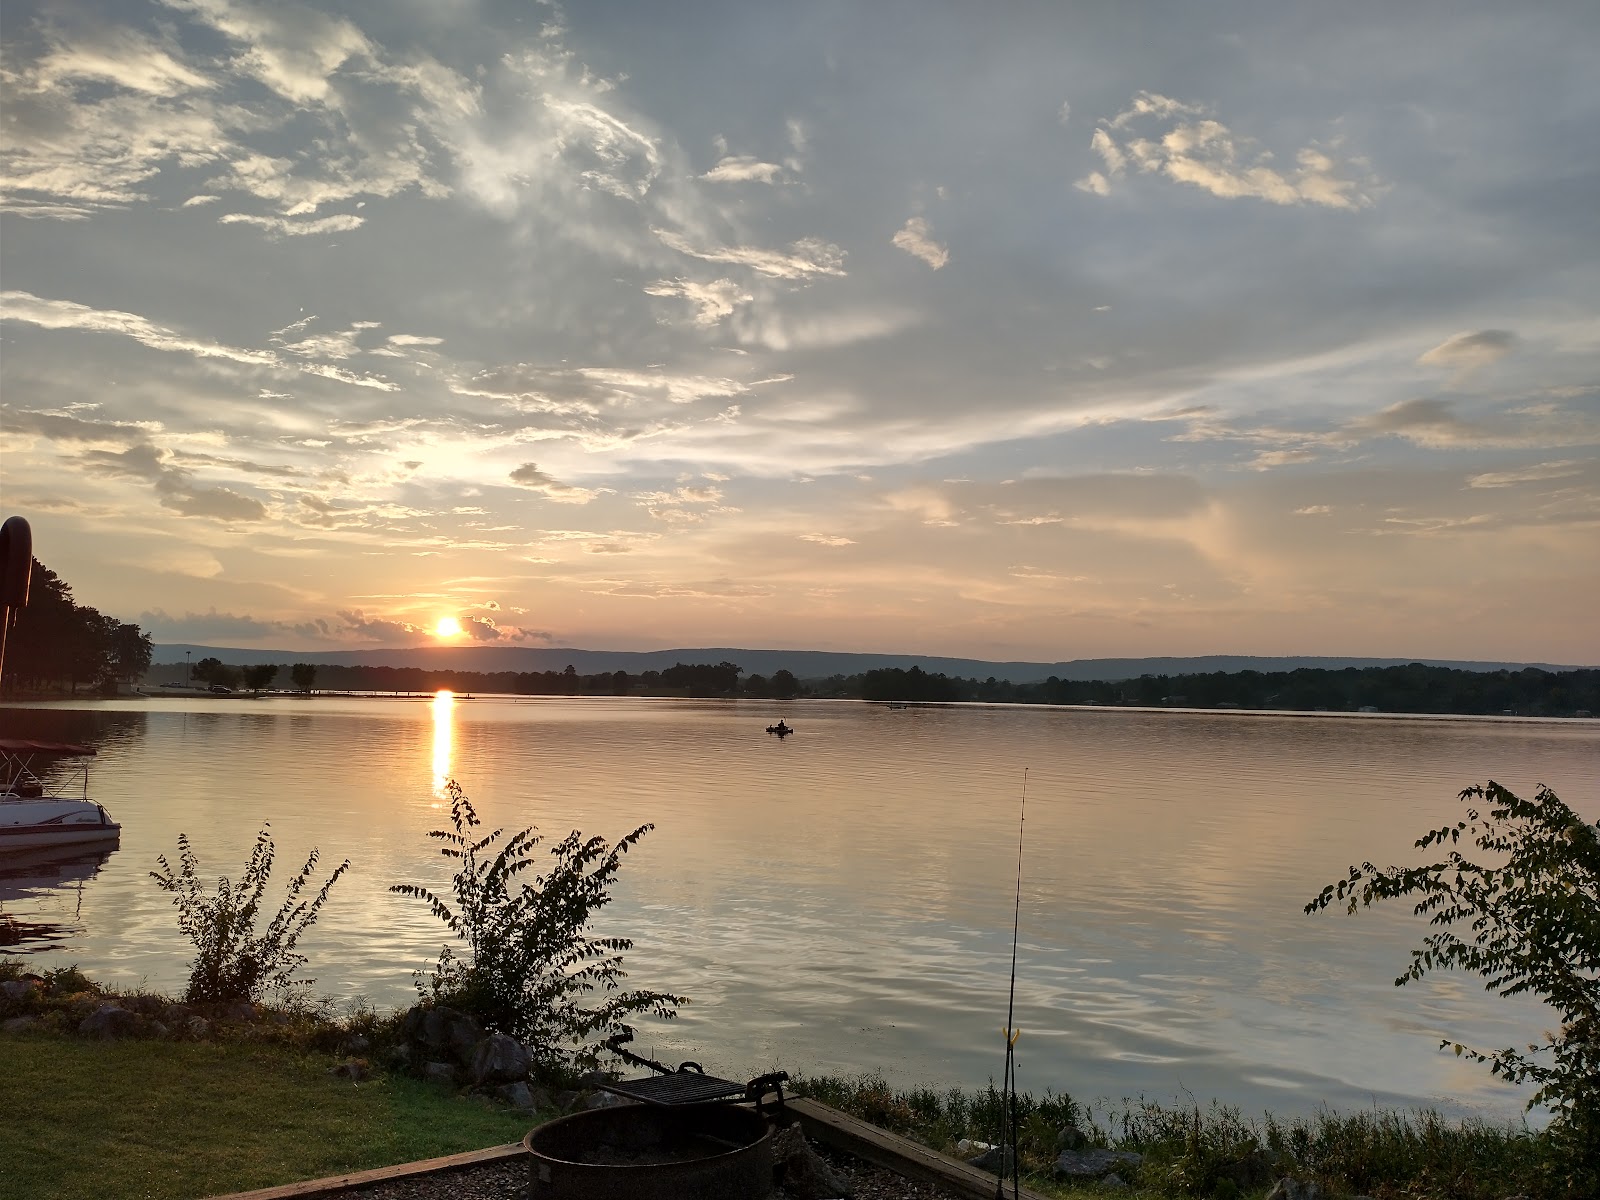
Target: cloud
{"points": [[1267, 459], [1533, 474], [1186, 145], [64, 314], [292, 49], [1435, 423], [480, 629], [1313, 510], [413, 339], [713, 301], [377, 628], [741, 168], [529, 476], [1469, 351], [826, 539], [121, 57], [806, 258], [293, 227], [916, 239], [211, 626]]}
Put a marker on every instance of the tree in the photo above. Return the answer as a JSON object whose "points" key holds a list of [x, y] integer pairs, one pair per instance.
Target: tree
{"points": [[58, 641], [619, 683], [784, 685], [303, 676], [131, 652], [1530, 913], [532, 963], [260, 676]]}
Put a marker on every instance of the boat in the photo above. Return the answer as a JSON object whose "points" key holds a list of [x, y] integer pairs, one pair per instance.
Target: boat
{"points": [[36, 813], [780, 729]]}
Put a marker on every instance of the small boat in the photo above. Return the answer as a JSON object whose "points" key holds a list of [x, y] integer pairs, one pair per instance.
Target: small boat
{"points": [[780, 729], [35, 813]]}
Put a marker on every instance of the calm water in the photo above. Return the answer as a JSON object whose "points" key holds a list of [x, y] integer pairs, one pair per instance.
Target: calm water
{"points": [[841, 901]]}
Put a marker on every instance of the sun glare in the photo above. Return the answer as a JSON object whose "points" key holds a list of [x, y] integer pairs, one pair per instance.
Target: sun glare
{"points": [[448, 627]]}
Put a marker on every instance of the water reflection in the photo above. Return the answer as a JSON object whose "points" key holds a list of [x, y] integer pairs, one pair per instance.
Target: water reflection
{"points": [[444, 724], [843, 901], [45, 883]]}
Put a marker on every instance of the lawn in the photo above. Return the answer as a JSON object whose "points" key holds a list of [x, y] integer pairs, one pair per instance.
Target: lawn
{"points": [[154, 1119]]}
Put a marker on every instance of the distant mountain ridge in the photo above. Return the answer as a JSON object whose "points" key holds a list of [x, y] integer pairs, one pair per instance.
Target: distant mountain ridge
{"points": [[806, 664]]}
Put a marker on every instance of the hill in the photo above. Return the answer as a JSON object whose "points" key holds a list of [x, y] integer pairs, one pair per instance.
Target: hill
{"points": [[806, 664]]}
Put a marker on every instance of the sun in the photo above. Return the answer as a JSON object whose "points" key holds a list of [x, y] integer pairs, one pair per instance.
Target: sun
{"points": [[448, 627]]}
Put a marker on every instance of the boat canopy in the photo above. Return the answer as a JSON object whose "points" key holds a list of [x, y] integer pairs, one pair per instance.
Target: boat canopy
{"points": [[58, 749]]}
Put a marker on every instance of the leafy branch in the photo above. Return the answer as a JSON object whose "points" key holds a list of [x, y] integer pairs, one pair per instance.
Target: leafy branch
{"points": [[1526, 919], [532, 969], [232, 960]]}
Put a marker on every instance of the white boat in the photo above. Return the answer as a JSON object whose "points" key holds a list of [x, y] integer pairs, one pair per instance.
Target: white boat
{"points": [[37, 813]]}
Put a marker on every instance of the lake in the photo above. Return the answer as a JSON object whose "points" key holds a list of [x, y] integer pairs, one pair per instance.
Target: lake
{"points": [[841, 901]]}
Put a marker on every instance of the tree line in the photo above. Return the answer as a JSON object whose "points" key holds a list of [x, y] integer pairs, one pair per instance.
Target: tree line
{"points": [[708, 680], [59, 644], [1413, 688]]}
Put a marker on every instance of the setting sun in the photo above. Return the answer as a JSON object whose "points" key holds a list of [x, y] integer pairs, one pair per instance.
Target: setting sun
{"points": [[447, 627]]}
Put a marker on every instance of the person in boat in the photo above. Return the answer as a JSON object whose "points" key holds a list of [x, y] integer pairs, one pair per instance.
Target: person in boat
{"points": [[780, 728]]}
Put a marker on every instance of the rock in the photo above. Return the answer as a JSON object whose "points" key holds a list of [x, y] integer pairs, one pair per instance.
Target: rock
{"points": [[1290, 1188], [108, 1021], [19, 989], [444, 1029], [601, 1100], [594, 1079], [149, 1006], [158, 1030], [400, 1055], [439, 1072], [803, 1174], [356, 1043], [1071, 1137], [1114, 1182], [240, 1010], [1091, 1164], [197, 1027], [353, 1069], [19, 1024], [994, 1160], [565, 1100], [499, 1059], [967, 1147], [519, 1095]]}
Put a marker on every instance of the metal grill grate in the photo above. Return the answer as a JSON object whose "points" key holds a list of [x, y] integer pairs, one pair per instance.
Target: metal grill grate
{"points": [[681, 1087]]}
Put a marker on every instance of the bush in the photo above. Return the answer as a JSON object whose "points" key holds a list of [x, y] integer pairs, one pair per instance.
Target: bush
{"points": [[232, 961], [531, 964], [1532, 915]]}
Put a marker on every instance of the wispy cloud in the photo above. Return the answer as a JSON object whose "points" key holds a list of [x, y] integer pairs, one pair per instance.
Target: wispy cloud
{"points": [[915, 237], [1181, 141], [805, 259], [741, 168]]}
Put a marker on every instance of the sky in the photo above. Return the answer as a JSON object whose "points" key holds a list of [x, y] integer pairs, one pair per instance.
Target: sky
{"points": [[1023, 331]]}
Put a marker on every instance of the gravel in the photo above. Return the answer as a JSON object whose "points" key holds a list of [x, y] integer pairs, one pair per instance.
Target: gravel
{"points": [[509, 1181]]}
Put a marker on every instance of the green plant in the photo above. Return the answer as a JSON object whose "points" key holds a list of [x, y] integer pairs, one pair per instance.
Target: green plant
{"points": [[232, 960], [1531, 915], [531, 964]]}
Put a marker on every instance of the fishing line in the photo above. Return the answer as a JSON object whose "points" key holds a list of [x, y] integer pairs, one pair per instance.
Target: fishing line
{"points": [[1011, 1033]]}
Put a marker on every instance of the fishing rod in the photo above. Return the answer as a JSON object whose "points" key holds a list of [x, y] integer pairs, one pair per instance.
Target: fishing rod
{"points": [[1009, 1108]]}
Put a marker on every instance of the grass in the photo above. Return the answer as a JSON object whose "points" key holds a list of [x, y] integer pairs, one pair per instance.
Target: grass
{"points": [[1217, 1152], [154, 1119]]}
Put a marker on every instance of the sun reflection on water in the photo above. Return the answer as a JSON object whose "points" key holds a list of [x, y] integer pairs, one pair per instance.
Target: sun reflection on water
{"points": [[444, 726]]}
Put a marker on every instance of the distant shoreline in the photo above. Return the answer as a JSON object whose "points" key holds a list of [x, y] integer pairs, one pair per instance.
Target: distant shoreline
{"points": [[415, 696]]}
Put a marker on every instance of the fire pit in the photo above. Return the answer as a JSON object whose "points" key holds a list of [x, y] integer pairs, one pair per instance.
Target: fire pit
{"points": [[653, 1152]]}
